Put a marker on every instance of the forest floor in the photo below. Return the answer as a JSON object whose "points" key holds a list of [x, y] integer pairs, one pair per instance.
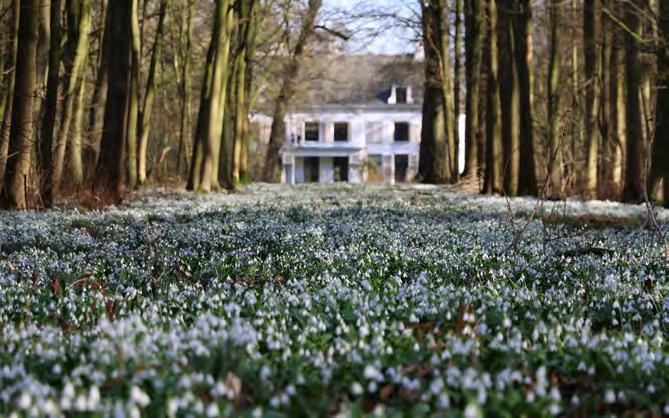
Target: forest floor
{"points": [[319, 301]]}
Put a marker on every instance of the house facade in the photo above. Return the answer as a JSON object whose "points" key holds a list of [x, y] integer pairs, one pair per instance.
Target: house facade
{"points": [[373, 142]]}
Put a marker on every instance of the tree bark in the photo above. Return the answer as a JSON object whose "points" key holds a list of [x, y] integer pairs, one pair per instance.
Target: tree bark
{"points": [[145, 117], [660, 166], [555, 161], [109, 173], [522, 22], [493, 172], [77, 52], [14, 194], [133, 100], [474, 25], [592, 95], [50, 106], [9, 96], [184, 131], [278, 131], [96, 112], [632, 190], [457, 64]]}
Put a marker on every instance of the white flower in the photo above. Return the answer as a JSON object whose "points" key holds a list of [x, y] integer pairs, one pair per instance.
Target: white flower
{"points": [[609, 396], [356, 389], [140, 397]]}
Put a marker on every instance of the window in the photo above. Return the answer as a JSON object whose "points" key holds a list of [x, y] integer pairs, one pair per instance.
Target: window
{"points": [[311, 168], [311, 131], [374, 132], [400, 95], [401, 131], [401, 168], [341, 131], [340, 165]]}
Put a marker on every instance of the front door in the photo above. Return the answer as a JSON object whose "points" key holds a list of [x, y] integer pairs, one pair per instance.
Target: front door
{"points": [[401, 168], [340, 165], [311, 169]]}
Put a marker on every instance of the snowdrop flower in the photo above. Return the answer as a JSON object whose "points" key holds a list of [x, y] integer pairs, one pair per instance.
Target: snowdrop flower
{"points": [[356, 389]]}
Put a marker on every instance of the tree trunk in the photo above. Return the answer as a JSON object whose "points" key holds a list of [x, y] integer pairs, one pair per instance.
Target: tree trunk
{"points": [[435, 165], [9, 96], [592, 94], [632, 191], [77, 52], [109, 174], [457, 64], [509, 98], [474, 25], [133, 99], [493, 171], [96, 112], [555, 160], [75, 162], [660, 167], [50, 106], [145, 119], [527, 181], [278, 131], [184, 131], [14, 193]]}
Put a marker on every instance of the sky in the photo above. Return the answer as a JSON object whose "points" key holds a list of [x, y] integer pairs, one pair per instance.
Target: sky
{"points": [[380, 36]]}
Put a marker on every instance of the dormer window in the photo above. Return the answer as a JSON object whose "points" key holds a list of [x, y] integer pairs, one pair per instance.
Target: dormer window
{"points": [[401, 95], [311, 131]]}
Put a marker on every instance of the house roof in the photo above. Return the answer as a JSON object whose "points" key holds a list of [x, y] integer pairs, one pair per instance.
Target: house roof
{"points": [[362, 82]]}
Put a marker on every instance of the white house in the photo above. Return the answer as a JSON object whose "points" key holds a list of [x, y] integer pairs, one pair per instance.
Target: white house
{"points": [[375, 142]]}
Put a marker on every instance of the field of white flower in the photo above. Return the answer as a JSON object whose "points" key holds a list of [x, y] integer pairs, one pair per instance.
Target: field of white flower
{"points": [[314, 301]]}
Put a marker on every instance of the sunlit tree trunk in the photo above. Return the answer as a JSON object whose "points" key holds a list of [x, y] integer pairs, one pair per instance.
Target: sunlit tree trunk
{"points": [[133, 100], [77, 51], [184, 85], [509, 97], [592, 95], [8, 99], [457, 64], [14, 193], [96, 112], [555, 160], [493, 171], [145, 118]]}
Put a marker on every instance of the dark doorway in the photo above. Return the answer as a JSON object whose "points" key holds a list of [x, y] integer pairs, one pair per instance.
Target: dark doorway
{"points": [[340, 168], [401, 168], [311, 168]]}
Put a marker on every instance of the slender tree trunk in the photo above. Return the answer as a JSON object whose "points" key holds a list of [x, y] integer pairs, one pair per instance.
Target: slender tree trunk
{"points": [[145, 119], [75, 161], [457, 64], [9, 96], [632, 191], [555, 160], [509, 98], [96, 112], [572, 153], [527, 181], [494, 164], [48, 122], [660, 165], [133, 99], [79, 23], [185, 111], [278, 131], [14, 193], [474, 24], [592, 94], [109, 174]]}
